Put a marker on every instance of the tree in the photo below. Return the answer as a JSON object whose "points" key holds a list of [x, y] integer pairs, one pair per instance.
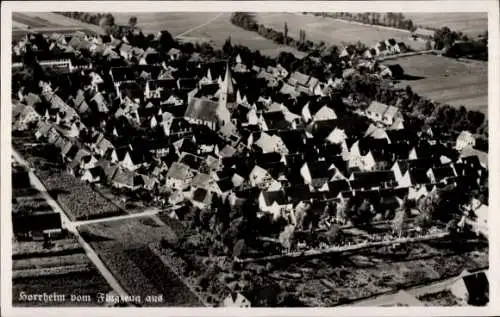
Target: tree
{"points": [[399, 221], [227, 48], [132, 22], [428, 45], [286, 237], [238, 248], [107, 24], [286, 33]]}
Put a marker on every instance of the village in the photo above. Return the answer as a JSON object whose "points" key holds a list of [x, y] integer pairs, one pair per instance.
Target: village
{"points": [[259, 162]]}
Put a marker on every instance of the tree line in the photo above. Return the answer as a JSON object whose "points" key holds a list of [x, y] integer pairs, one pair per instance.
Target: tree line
{"points": [[106, 21]]}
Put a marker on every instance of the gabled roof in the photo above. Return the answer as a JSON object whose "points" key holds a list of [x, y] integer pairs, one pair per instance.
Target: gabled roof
{"points": [[202, 109], [178, 171], [377, 107], [275, 196]]}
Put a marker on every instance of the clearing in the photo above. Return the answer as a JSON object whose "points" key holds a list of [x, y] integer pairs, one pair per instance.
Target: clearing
{"points": [[447, 80]]}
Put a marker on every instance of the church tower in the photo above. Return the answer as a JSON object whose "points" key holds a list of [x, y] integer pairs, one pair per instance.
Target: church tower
{"points": [[227, 96]]}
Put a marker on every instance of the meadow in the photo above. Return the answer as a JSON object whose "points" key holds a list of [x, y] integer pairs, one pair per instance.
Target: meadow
{"points": [[471, 23], [334, 31], [447, 80]]}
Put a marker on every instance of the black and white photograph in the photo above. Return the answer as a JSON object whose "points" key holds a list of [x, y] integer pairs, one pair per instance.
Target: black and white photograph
{"points": [[181, 156]]}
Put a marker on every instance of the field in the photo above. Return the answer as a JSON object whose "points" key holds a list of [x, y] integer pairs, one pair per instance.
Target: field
{"points": [[210, 27], [471, 23], [333, 31], [124, 247], [52, 21], [447, 80]]}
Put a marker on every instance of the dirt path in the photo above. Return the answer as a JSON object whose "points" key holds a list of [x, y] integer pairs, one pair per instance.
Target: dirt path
{"points": [[201, 25]]}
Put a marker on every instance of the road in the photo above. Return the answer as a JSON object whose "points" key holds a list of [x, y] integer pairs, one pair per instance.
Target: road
{"points": [[71, 227], [201, 25]]}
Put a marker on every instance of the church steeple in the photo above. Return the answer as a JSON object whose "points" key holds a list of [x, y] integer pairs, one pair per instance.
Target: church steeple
{"points": [[227, 96]]}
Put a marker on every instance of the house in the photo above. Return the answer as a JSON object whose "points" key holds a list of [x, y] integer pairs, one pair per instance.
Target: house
{"points": [[174, 54], [202, 198], [236, 300], [271, 143], [472, 288], [318, 173], [465, 139], [275, 203], [380, 112], [178, 176], [92, 175], [260, 177], [440, 173], [372, 180], [317, 112], [101, 145], [126, 179]]}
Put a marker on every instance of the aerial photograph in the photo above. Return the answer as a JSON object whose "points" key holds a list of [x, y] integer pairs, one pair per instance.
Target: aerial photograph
{"points": [[249, 159]]}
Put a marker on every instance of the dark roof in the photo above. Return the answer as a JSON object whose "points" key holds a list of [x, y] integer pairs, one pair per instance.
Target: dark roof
{"points": [[122, 74], [294, 140], [372, 179], [275, 196], [225, 184], [202, 109], [442, 172], [423, 163], [336, 187], [276, 121], [200, 194], [194, 162], [419, 176]]}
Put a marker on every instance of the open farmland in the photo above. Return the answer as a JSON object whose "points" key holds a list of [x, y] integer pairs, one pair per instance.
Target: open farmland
{"points": [[471, 23], [333, 31], [56, 22], [210, 27], [447, 80], [32, 21]]}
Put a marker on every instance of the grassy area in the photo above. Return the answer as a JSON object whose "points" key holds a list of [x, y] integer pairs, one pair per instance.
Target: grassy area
{"points": [[333, 31], [472, 23], [447, 80]]}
